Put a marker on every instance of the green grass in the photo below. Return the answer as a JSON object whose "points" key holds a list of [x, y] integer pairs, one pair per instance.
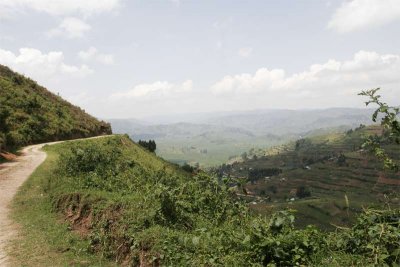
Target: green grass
{"points": [[219, 150], [45, 238], [100, 201]]}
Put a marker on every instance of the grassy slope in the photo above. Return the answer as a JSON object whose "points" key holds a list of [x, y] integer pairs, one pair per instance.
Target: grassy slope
{"points": [[31, 114], [34, 209], [94, 202], [46, 239], [329, 182]]}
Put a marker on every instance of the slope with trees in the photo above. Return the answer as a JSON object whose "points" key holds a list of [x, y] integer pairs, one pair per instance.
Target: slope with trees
{"points": [[31, 114]]}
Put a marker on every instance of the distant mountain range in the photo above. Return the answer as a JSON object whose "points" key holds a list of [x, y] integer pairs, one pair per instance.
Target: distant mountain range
{"points": [[231, 133]]}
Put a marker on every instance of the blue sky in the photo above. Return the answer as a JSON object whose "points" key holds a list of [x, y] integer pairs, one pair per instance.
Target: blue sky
{"points": [[124, 59]]}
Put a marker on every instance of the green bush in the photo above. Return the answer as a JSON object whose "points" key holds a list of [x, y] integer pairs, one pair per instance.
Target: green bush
{"points": [[146, 211]]}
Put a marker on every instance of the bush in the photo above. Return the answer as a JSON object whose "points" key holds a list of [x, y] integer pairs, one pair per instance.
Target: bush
{"points": [[302, 192], [149, 145]]}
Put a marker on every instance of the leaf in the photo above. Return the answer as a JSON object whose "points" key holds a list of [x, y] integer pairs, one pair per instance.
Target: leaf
{"points": [[196, 240]]}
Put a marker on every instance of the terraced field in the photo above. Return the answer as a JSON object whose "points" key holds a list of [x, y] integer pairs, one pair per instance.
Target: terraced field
{"points": [[332, 167]]}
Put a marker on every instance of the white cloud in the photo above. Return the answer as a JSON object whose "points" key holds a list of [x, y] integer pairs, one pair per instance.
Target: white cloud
{"points": [[70, 28], [176, 2], [224, 24], [59, 7], [92, 54], [245, 52], [360, 14], [334, 80], [156, 89], [38, 65]]}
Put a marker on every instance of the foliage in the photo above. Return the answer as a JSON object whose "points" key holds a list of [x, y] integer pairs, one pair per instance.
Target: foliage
{"points": [[341, 160], [302, 192], [149, 145], [144, 211], [188, 168], [390, 122], [256, 174], [376, 234], [31, 114], [330, 166]]}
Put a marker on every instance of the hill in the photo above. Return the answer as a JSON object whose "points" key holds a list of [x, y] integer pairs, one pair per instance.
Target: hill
{"points": [[31, 114], [108, 201], [327, 178], [212, 139], [193, 143]]}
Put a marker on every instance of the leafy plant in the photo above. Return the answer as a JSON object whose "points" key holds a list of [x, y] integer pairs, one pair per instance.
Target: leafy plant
{"points": [[390, 122]]}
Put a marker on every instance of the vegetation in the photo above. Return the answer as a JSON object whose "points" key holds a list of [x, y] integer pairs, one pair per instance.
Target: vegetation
{"points": [[131, 207], [188, 168], [31, 114], [302, 192], [330, 166], [390, 123], [213, 139], [149, 145], [257, 174], [121, 204]]}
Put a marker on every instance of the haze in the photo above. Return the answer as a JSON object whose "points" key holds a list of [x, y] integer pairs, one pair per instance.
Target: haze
{"points": [[135, 59]]}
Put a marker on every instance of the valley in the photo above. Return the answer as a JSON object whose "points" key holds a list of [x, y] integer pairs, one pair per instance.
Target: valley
{"points": [[264, 188], [213, 139], [327, 179], [199, 133]]}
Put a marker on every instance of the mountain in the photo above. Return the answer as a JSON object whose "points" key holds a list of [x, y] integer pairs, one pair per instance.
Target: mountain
{"points": [[293, 121], [29, 114], [317, 176], [227, 134]]}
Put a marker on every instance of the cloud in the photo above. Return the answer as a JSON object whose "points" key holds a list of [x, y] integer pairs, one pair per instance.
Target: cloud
{"points": [[224, 24], [245, 52], [70, 28], [39, 65], [154, 90], [9, 8], [333, 79], [92, 54], [176, 2], [361, 14]]}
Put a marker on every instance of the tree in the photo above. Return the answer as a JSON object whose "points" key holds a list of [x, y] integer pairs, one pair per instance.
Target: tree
{"points": [[302, 192], [149, 145], [390, 123], [341, 161], [186, 167]]}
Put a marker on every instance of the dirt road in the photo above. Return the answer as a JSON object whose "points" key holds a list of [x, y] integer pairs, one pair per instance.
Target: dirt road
{"points": [[12, 176]]}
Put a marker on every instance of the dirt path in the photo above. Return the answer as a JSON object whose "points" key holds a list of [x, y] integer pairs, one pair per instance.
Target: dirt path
{"points": [[12, 176]]}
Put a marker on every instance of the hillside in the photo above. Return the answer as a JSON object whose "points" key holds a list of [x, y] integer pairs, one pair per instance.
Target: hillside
{"points": [[326, 169], [109, 202], [212, 139], [194, 142], [31, 114]]}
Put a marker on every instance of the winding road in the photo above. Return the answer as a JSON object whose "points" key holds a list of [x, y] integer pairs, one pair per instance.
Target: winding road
{"points": [[12, 176]]}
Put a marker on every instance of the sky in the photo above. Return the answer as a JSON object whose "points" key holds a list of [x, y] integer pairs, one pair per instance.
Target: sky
{"points": [[137, 58]]}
